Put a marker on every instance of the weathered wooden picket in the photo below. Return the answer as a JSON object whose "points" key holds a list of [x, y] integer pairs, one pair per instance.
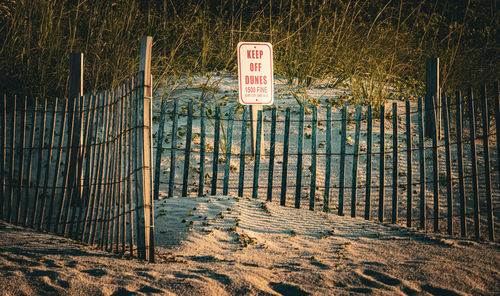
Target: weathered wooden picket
{"points": [[109, 203], [324, 154]]}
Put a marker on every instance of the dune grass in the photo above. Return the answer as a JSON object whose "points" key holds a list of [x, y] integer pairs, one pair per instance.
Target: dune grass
{"points": [[368, 46]]}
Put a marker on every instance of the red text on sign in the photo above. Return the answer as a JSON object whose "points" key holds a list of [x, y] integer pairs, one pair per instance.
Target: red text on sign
{"points": [[255, 54], [255, 79]]}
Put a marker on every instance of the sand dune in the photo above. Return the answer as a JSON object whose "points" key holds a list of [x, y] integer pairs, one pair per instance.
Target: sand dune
{"points": [[229, 246]]}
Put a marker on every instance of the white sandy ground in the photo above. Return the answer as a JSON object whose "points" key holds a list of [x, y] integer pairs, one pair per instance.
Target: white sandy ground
{"points": [[227, 246]]}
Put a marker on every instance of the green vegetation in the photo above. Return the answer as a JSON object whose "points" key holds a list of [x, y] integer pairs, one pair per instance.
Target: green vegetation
{"points": [[369, 45]]}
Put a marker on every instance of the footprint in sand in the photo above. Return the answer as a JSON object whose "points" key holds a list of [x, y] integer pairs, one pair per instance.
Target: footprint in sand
{"points": [[288, 290], [379, 280], [95, 272]]}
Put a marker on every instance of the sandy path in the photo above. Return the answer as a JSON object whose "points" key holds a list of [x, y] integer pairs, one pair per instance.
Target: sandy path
{"points": [[253, 249]]}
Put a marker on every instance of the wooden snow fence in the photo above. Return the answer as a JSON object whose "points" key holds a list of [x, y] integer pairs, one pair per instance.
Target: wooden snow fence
{"points": [[81, 167], [342, 160]]}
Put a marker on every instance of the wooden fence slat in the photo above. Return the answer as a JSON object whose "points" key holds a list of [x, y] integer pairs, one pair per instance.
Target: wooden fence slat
{"points": [[40, 147], [187, 150], [395, 168], [272, 152], [328, 164], [486, 129], [20, 177], [381, 187], [173, 148], [109, 210], [241, 176], [298, 180], [103, 156], [215, 160], [139, 121], [257, 155], [342, 161], [30, 147], [118, 178], [475, 193], [312, 194], [229, 142], [50, 221], [130, 166], [108, 175], [77, 191], [108, 193], [122, 214], [369, 137], [284, 171], [89, 164], [421, 155], [106, 178], [3, 127], [409, 169], [64, 206], [96, 169], [461, 187], [354, 182], [52, 126], [75, 182], [496, 99], [159, 148], [201, 181], [449, 180], [435, 170], [86, 154], [10, 196]]}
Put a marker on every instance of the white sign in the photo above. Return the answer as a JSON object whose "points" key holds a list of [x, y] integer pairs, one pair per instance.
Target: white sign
{"points": [[255, 73]]}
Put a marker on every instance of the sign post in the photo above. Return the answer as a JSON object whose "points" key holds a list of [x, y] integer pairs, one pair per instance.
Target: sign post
{"points": [[255, 76]]}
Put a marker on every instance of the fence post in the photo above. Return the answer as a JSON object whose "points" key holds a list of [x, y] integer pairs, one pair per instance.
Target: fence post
{"points": [[145, 67], [254, 110], [432, 99], [435, 175]]}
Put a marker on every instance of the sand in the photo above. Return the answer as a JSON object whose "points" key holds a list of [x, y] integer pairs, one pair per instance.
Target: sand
{"points": [[223, 245]]}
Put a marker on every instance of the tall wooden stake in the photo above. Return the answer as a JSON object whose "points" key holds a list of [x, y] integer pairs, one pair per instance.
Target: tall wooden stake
{"points": [[145, 66]]}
